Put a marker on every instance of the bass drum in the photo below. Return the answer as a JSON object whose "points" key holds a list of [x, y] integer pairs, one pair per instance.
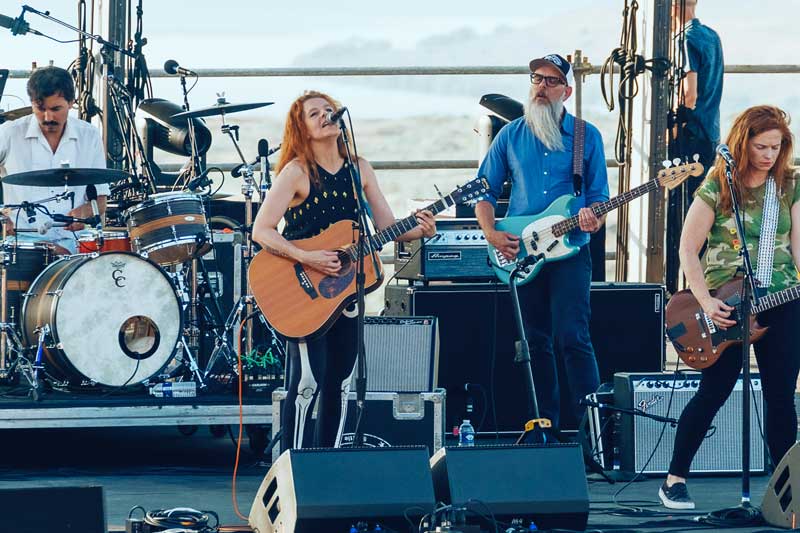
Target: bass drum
{"points": [[114, 319]]}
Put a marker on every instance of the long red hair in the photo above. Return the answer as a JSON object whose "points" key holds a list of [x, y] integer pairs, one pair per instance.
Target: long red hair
{"points": [[752, 122], [295, 144]]}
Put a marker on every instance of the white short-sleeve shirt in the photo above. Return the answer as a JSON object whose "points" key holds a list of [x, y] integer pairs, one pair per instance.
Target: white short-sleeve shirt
{"points": [[23, 148]]}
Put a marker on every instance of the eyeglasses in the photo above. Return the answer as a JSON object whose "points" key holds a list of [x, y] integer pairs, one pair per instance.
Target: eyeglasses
{"points": [[550, 81]]}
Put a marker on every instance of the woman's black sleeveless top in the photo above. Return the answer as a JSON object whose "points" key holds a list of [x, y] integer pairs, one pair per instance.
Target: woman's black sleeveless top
{"points": [[331, 202]]}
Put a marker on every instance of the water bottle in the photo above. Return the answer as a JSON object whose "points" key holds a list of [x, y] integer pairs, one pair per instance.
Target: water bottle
{"points": [[177, 389], [466, 434]]}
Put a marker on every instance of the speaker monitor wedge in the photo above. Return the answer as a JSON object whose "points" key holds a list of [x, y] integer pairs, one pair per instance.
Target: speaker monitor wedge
{"points": [[327, 489], [62, 508], [780, 508], [544, 484]]}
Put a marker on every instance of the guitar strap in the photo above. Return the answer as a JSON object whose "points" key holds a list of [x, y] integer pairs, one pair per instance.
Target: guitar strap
{"points": [[577, 156], [766, 241]]}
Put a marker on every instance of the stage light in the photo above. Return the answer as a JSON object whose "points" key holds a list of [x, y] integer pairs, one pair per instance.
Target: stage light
{"points": [[172, 135], [505, 107]]}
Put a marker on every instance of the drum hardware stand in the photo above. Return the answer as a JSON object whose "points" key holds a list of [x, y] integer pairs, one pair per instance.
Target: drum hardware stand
{"points": [[193, 367], [248, 188]]}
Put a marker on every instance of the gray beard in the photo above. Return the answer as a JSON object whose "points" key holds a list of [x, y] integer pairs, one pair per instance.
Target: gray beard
{"points": [[545, 123]]}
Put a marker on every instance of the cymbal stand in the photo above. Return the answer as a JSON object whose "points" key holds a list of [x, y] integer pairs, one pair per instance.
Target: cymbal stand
{"points": [[248, 188]]}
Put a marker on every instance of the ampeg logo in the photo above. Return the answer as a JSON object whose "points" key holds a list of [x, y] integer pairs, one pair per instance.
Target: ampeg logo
{"points": [[444, 256]]}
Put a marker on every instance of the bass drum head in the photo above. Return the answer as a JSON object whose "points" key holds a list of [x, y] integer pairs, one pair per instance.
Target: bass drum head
{"points": [[117, 319]]}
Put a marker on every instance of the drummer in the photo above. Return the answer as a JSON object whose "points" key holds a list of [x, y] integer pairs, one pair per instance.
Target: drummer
{"points": [[50, 139]]}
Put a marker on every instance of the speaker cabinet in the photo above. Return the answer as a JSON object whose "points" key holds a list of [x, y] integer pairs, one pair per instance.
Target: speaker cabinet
{"points": [[721, 452], [307, 491], [402, 353], [779, 507], [477, 335], [38, 509], [543, 484]]}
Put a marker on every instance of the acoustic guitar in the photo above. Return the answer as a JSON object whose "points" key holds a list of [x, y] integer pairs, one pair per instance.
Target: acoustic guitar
{"points": [[302, 303]]}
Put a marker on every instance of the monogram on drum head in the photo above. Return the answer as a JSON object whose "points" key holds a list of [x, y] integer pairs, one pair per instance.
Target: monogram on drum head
{"points": [[116, 274]]}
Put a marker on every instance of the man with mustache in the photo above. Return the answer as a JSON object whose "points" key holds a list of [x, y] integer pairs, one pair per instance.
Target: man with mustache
{"points": [[535, 153], [49, 138]]}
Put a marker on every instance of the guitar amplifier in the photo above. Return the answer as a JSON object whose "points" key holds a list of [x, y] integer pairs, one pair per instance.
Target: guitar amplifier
{"points": [[458, 252], [721, 451], [402, 353]]}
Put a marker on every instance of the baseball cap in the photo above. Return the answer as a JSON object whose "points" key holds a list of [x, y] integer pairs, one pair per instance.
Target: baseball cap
{"points": [[557, 61]]}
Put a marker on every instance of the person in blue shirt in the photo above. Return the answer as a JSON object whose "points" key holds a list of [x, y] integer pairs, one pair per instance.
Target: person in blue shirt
{"points": [[701, 85], [535, 152]]}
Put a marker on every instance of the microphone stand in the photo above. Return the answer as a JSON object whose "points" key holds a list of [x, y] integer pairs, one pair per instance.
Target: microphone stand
{"points": [[744, 511], [364, 241]]}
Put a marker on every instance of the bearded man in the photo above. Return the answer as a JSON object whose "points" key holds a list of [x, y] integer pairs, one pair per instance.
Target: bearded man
{"points": [[535, 153]]}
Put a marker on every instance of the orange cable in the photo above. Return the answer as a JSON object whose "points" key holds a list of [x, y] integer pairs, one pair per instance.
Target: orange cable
{"points": [[241, 424]]}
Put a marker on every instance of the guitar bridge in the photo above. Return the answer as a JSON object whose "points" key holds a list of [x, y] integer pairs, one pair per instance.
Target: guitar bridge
{"points": [[305, 281], [501, 259]]}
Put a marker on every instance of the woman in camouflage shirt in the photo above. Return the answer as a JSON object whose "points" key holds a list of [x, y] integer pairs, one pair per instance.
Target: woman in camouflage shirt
{"points": [[761, 144]]}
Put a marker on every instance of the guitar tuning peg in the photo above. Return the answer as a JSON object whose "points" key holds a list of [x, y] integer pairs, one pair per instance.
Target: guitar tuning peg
{"points": [[666, 163], [676, 161], [696, 158]]}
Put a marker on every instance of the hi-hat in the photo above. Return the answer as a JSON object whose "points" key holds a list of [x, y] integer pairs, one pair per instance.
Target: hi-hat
{"points": [[14, 114], [220, 108], [55, 177]]}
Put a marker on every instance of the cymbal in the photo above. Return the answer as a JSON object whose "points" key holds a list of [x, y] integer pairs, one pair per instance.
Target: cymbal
{"points": [[54, 177], [14, 114], [220, 108]]}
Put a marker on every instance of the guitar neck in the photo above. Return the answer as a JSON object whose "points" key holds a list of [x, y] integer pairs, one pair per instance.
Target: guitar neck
{"points": [[775, 299], [569, 224], [407, 224]]}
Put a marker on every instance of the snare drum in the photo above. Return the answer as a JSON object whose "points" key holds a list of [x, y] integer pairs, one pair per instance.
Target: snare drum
{"points": [[169, 228], [114, 240], [24, 261], [113, 318]]}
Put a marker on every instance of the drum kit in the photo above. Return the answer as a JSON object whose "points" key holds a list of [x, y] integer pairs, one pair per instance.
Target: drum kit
{"points": [[124, 309]]}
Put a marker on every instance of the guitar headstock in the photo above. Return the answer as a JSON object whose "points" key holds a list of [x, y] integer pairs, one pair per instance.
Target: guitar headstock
{"points": [[673, 176], [472, 190]]}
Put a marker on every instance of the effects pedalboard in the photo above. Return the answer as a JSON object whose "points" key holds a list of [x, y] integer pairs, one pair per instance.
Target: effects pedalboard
{"points": [[458, 252]]}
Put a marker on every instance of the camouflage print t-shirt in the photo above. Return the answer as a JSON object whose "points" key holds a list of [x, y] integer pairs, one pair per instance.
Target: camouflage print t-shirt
{"points": [[722, 257]]}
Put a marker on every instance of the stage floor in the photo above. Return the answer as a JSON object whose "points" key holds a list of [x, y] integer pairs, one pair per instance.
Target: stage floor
{"points": [[161, 468]]}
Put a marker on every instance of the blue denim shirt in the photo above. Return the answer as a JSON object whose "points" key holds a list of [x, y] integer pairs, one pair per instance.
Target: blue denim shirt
{"points": [[538, 175], [704, 56]]}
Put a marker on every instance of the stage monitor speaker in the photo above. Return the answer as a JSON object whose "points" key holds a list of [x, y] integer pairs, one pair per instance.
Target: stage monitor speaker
{"points": [[477, 335], [544, 484], [38, 509], [721, 451], [780, 508], [307, 491], [402, 353]]}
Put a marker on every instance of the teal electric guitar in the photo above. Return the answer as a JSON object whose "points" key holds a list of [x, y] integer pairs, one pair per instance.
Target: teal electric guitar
{"points": [[546, 236]]}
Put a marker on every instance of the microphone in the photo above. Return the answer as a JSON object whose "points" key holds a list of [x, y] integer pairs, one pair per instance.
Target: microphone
{"points": [[172, 68], [263, 154], [18, 26], [200, 181], [333, 116], [725, 153], [91, 195], [66, 219], [30, 211], [263, 149]]}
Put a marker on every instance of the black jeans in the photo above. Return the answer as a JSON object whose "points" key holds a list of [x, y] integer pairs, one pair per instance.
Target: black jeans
{"points": [[778, 356], [556, 312]]}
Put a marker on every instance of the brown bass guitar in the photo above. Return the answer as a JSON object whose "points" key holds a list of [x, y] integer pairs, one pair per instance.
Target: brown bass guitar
{"points": [[698, 341]]}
